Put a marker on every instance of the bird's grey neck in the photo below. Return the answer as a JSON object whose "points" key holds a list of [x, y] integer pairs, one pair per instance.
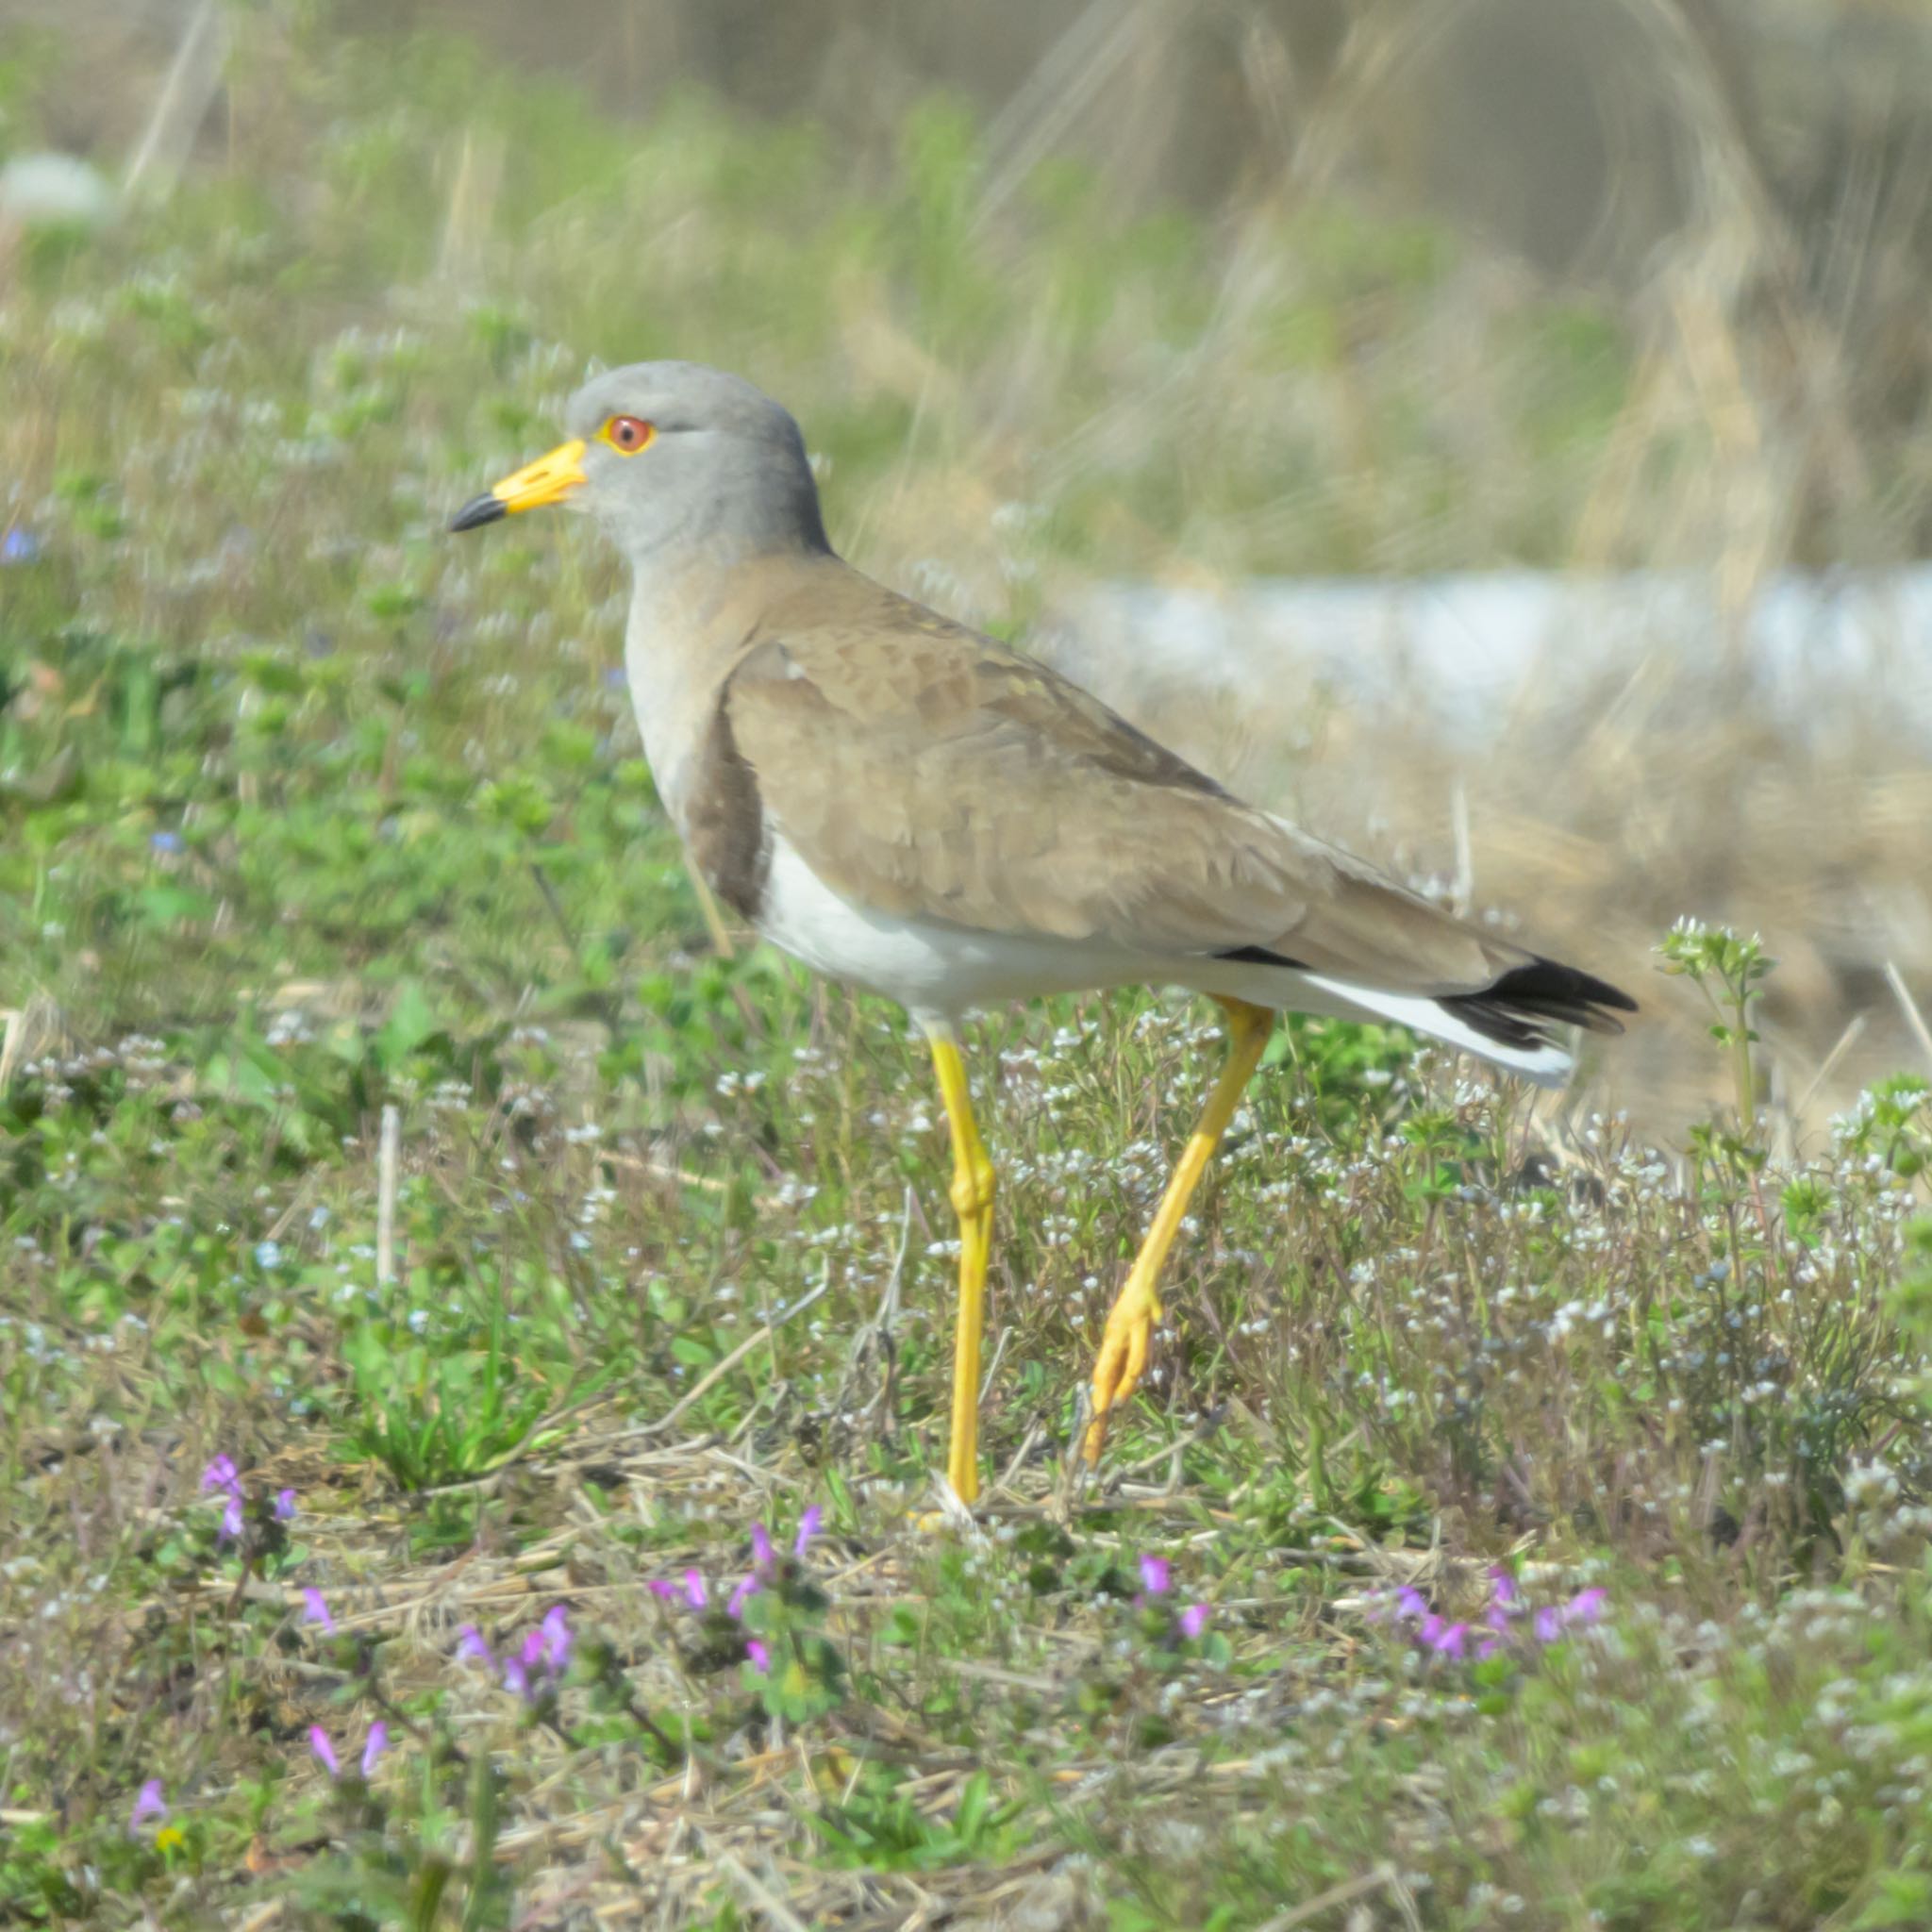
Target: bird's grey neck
{"points": [[686, 595], [690, 609], [751, 502]]}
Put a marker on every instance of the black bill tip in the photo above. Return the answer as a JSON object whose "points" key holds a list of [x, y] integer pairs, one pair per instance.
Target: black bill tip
{"points": [[479, 510]]}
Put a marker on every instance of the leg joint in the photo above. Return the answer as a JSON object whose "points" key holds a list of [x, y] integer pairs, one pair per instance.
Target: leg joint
{"points": [[1245, 1022], [974, 1187]]}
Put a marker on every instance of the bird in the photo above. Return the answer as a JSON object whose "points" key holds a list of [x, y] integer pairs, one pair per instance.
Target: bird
{"points": [[907, 805]]}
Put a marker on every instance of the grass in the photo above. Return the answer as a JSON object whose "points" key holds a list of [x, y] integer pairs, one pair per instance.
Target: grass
{"points": [[313, 821]]}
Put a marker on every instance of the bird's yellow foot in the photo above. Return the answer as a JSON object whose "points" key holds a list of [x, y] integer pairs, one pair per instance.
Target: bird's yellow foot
{"points": [[1123, 1358], [952, 1518]]}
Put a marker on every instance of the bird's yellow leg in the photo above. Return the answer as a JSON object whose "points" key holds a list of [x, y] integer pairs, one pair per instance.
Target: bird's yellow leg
{"points": [[973, 1192], [1130, 1322]]}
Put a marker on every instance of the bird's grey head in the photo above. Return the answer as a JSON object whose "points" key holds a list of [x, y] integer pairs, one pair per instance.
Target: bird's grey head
{"points": [[672, 454]]}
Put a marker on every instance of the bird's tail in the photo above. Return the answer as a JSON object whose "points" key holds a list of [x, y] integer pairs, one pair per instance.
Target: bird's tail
{"points": [[1511, 1022]]}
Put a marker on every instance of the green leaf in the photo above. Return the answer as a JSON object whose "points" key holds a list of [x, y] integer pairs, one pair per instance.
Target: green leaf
{"points": [[411, 1021]]}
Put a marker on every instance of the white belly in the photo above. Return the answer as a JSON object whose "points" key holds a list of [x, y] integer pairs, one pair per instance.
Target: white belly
{"points": [[934, 970]]}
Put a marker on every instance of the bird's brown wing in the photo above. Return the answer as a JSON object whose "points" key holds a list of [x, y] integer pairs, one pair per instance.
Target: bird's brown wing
{"points": [[922, 769]]}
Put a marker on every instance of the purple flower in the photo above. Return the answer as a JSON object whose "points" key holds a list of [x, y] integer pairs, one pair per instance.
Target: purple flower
{"points": [[557, 1638], [662, 1586], [19, 547], [1499, 1625], [231, 1516], [695, 1594], [1156, 1577], [166, 841], [315, 1610], [376, 1744], [546, 1645], [285, 1505], [808, 1526], [516, 1679], [319, 1743], [748, 1587], [760, 1657], [762, 1553], [471, 1649], [221, 1475], [148, 1802], [1194, 1619]]}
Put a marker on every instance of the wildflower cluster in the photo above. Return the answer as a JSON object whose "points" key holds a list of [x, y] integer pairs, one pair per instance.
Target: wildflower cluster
{"points": [[691, 1591], [1504, 1625], [220, 1478], [373, 1745], [1156, 1584], [766, 1624], [534, 1669]]}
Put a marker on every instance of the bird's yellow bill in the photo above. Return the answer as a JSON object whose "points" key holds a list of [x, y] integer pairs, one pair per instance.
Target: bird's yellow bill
{"points": [[549, 480]]}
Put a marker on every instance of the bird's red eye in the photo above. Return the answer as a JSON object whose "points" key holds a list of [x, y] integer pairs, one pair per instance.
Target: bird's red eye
{"points": [[628, 433]]}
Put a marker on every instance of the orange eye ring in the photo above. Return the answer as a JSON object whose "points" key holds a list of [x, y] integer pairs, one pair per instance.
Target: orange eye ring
{"points": [[628, 435]]}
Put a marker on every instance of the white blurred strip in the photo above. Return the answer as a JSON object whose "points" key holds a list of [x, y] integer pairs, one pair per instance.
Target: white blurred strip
{"points": [[1468, 653]]}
